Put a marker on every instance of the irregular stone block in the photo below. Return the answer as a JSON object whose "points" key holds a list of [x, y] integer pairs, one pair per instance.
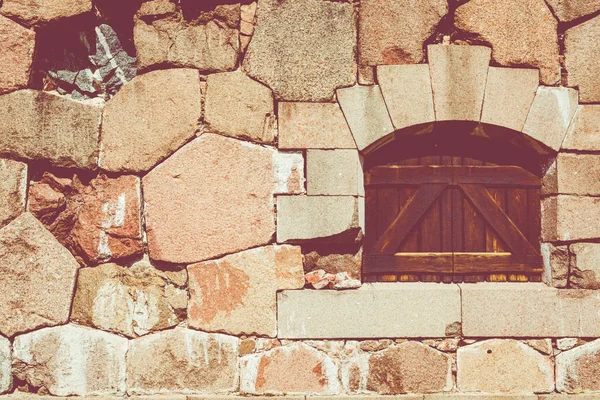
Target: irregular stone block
{"points": [[303, 49], [567, 218], [40, 12], [528, 310], [17, 44], [5, 365], [556, 265], [297, 368], [458, 77], [484, 396], [333, 172], [551, 114], [366, 113], [406, 90], [150, 118], [184, 223], [585, 266], [310, 217], [208, 362], [237, 293], [132, 301], [568, 10], [333, 259], [580, 47], [578, 174], [38, 277], [521, 32], [71, 360], [409, 310], [584, 131], [288, 168], [578, 370], [37, 125], [13, 190], [393, 32], [504, 366], [410, 367], [509, 93], [313, 126], [240, 107]]}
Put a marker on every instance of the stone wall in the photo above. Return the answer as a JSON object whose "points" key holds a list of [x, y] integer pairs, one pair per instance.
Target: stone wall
{"points": [[177, 178]]}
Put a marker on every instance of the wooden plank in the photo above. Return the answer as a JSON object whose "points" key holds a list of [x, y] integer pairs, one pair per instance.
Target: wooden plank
{"points": [[495, 217], [501, 175], [411, 243], [408, 175], [408, 218], [387, 208], [534, 215], [474, 228], [493, 243], [495, 263], [406, 263], [431, 228], [371, 209], [446, 220]]}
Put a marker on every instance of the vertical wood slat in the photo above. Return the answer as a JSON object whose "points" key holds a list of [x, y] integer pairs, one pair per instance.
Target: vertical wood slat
{"points": [[371, 211], [493, 242], [517, 205]]}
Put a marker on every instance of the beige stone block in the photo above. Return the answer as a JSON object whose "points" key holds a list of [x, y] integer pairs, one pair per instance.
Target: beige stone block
{"points": [[509, 93], [557, 396], [458, 77], [39, 12], [368, 397], [528, 310], [567, 218], [17, 44], [13, 190], [313, 126], [585, 266], [568, 10], [578, 174], [578, 370], [551, 114], [556, 265], [6, 378], [366, 75], [333, 172], [310, 217], [366, 113], [480, 396], [581, 47], [584, 131], [384, 310], [232, 397], [406, 90]]}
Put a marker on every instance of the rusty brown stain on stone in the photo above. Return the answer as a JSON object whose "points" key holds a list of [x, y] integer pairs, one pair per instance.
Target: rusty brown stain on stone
{"points": [[395, 55], [294, 181], [318, 371], [261, 374]]}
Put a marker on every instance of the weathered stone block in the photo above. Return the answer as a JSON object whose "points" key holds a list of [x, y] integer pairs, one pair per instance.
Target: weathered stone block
{"points": [[39, 12], [303, 49], [366, 113], [528, 310], [568, 10], [374, 311], [38, 125], [17, 44], [578, 174], [151, 117], [406, 90], [38, 277], [570, 218], [297, 368], [585, 266], [483, 396], [584, 132], [458, 77], [580, 61], [578, 370], [313, 126], [71, 360], [509, 93], [6, 378], [182, 361], [393, 31], [237, 293], [240, 107], [556, 265], [13, 190], [503, 366], [310, 217], [333, 172]]}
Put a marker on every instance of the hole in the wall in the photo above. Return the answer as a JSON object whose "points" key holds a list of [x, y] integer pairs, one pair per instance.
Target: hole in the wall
{"points": [[489, 351]]}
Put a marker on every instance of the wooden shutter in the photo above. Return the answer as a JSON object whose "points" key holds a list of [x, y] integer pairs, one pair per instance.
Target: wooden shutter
{"points": [[452, 219]]}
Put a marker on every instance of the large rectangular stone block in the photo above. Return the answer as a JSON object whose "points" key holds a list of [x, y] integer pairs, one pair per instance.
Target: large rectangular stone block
{"points": [[333, 172], [566, 218], [528, 310], [380, 310], [578, 174]]}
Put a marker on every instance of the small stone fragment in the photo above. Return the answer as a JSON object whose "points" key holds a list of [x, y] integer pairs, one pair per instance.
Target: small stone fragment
{"points": [[580, 47], [375, 345], [247, 346], [448, 345], [343, 281], [5, 365], [333, 259], [40, 12], [556, 265], [566, 343], [13, 190], [544, 346], [578, 370], [585, 266], [17, 44]]}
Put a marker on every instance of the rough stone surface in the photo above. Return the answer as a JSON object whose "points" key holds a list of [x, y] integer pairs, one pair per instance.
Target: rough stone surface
{"points": [[393, 32], [150, 118], [567, 217], [566, 343], [39, 125], [578, 174], [240, 107], [568, 10], [410, 367], [407, 93], [333, 172], [210, 43], [71, 360], [313, 126], [503, 366], [585, 266], [39, 12], [366, 113], [509, 93], [208, 361], [38, 277], [98, 222], [297, 368], [13, 190], [528, 310], [584, 131], [5, 365], [556, 265], [301, 218], [303, 49], [16, 54], [578, 370], [581, 63], [333, 259], [237, 293], [213, 197], [551, 114], [458, 78], [521, 32], [409, 310], [132, 301]]}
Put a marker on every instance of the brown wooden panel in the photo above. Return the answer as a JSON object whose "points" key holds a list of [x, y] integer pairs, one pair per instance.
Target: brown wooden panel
{"points": [[405, 263], [473, 229], [387, 208], [446, 220], [493, 243], [495, 262], [408, 175], [496, 175], [430, 239], [457, 220], [371, 217], [411, 243]]}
